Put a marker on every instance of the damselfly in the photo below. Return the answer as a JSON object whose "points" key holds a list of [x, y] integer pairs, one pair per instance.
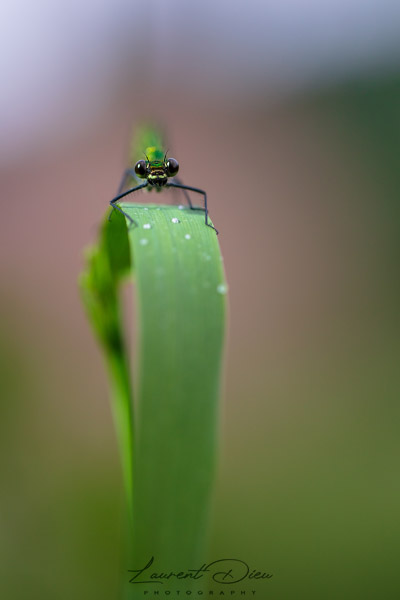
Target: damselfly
{"points": [[156, 171]]}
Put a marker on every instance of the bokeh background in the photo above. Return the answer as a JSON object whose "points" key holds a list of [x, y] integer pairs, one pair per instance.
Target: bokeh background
{"points": [[288, 113]]}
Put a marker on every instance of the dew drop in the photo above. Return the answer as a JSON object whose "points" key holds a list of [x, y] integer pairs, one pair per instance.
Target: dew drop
{"points": [[147, 226], [187, 236], [181, 207], [175, 220], [143, 242], [222, 288], [145, 208]]}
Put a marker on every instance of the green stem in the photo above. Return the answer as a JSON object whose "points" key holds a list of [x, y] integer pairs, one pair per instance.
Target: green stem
{"points": [[120, 382]]}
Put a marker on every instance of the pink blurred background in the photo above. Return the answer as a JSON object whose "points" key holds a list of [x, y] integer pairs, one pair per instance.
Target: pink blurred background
{"points": [[289, 115]]}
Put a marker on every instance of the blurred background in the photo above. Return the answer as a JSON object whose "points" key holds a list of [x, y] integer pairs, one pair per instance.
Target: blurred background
{"points": [[288, 114]]}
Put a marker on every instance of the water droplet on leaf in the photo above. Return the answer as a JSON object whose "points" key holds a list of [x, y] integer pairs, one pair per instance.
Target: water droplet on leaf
{"points": [[222, 288]]}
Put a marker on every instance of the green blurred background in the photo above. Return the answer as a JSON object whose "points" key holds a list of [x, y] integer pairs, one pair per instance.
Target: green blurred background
{"points": [[289, 115]]}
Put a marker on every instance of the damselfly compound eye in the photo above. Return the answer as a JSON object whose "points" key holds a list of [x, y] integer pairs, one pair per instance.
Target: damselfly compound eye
{"points": [[172, 167], [141, 169]]}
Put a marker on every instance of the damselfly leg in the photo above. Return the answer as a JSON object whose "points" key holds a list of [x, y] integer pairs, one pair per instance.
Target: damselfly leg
{"points": [[198, 191], [122, 195]]}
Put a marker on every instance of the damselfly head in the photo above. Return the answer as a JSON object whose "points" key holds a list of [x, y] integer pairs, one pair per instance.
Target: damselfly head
{"points": [[157, 171]]}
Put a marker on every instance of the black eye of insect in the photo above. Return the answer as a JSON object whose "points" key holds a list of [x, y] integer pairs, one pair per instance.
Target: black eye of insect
{"points": [[141, 169], [172, 167]]}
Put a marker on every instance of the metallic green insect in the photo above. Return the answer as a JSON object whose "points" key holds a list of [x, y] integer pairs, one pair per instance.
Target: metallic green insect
{"points": [[158, 171]]}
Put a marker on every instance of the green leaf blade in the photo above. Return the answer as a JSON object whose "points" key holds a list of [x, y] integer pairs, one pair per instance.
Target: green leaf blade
{"points": [[181, 303], [168, 450], [107, 263]]}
